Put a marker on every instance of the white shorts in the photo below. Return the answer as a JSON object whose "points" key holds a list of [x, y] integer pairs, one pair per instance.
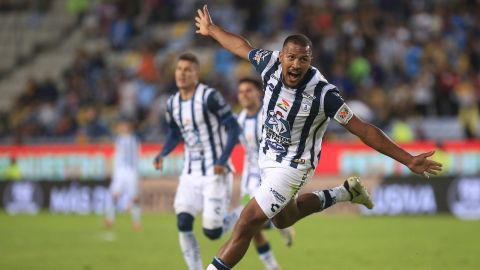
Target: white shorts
{"points": [[211, 194], [279, 185], [125, 182]]}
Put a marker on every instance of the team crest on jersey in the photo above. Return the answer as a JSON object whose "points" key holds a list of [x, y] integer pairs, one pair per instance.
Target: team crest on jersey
{"points": [[260, 55], [194, 144], [277, 131], [283, 104]]}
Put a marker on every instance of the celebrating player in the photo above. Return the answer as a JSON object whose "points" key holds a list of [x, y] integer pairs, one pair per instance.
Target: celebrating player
{"points": [[297, 106], [201, 116], [250, 119], [125, 173]]}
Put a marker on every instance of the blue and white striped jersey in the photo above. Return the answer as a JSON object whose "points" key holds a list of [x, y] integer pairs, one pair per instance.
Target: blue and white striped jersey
{"points": [[126, 152], [250, 139], [199, 120], [295, 120]]}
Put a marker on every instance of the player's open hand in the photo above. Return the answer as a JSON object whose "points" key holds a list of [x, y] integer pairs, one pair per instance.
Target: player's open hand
{"points": [[158, 162], [219, 169], [203, 21], [422, 165]]}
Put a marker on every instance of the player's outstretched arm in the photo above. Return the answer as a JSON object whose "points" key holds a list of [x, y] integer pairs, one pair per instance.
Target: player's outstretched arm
{"points": [[375, 138], [232, 42]]}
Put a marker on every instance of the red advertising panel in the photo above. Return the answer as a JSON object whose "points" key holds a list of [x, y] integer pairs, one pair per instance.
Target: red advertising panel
{"points": [[57, 162]]}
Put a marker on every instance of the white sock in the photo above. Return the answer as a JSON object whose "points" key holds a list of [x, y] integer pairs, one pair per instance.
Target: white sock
{"points": [[230, 219], [190, 250], [136, 213], [267, 257], [341, 194], [217, 264], [329, 197]]}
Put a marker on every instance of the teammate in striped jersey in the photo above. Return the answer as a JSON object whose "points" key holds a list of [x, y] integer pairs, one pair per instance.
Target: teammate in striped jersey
{"points": [[297, 106], [201, 116], [250, 120], [125, 178]]}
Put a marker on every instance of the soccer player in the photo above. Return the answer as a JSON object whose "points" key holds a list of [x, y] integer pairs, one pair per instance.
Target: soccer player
{"points": [[201, 116], [297, 106], [125, 178], [250, 120]]}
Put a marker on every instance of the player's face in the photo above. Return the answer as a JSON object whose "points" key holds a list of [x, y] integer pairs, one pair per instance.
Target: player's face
{"points": [[248, 95], [186, 75], [295, 60]]}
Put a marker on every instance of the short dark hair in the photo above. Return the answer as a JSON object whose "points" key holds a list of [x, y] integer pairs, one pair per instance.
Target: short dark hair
{"points": [[299, 39], [188, 56], [257, 83]]}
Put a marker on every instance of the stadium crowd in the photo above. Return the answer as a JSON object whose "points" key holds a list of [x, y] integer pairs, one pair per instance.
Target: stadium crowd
{"points": [[393, 61]]}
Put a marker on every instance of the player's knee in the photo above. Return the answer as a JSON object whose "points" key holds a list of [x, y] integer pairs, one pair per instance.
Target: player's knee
{"points": [[212, 234], [185, 222], [280, 222]]}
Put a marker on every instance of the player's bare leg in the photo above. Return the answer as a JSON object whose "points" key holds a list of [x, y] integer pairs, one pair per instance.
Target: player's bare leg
{"points": [[252, 218], [250, 223], [264, 251], [110, 212], [306, 204], [136, 213]]}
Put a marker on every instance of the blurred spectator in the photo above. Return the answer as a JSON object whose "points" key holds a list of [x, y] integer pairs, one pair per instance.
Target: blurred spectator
{"points": [[12, 172], [391, 59], [121, 31], [402, 132]]}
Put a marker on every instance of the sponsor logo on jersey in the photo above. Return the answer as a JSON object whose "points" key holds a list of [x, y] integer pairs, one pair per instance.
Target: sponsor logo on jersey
{"points": [[299, 160], [277, 131], [273, 76], [270, 87], [283, 104]]}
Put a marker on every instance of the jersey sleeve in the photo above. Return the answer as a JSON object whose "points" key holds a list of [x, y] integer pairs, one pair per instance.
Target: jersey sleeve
{"points": [[336, 108], [260, 58], [217, 105], [173, 133]]}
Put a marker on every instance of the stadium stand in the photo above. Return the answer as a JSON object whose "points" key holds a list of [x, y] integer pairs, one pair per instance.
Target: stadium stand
{"points": [[69, 68]]}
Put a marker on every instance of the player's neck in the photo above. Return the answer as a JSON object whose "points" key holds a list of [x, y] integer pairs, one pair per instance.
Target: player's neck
{"points": [[251, 111], [187, 93]]}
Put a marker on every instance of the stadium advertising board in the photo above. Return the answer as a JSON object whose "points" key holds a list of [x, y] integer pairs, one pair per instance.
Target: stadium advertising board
{"points": [[459, 196], [58, 162], [61, 197]]}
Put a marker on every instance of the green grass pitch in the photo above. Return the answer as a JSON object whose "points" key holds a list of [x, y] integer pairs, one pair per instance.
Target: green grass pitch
{"points": [[322, 242]]}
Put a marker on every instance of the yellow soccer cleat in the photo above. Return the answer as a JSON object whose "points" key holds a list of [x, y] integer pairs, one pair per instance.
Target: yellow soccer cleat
{"points": [[358, 191]]}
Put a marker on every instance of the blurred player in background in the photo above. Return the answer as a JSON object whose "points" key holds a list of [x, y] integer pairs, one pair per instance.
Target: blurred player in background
{"points": [[250, 119], [201, 116], [125, 177], [297, 106]]}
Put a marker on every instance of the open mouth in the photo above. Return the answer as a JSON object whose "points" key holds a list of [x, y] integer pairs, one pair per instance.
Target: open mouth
{"points": [[293, 75]]}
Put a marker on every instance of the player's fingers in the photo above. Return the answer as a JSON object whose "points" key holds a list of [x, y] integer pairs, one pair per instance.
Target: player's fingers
{"points": [[200, 13], [435, 167], [197, 25], [205, 10], [198, 31], [198, 20], [425, 175], [430, 171], [434, 163]]}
